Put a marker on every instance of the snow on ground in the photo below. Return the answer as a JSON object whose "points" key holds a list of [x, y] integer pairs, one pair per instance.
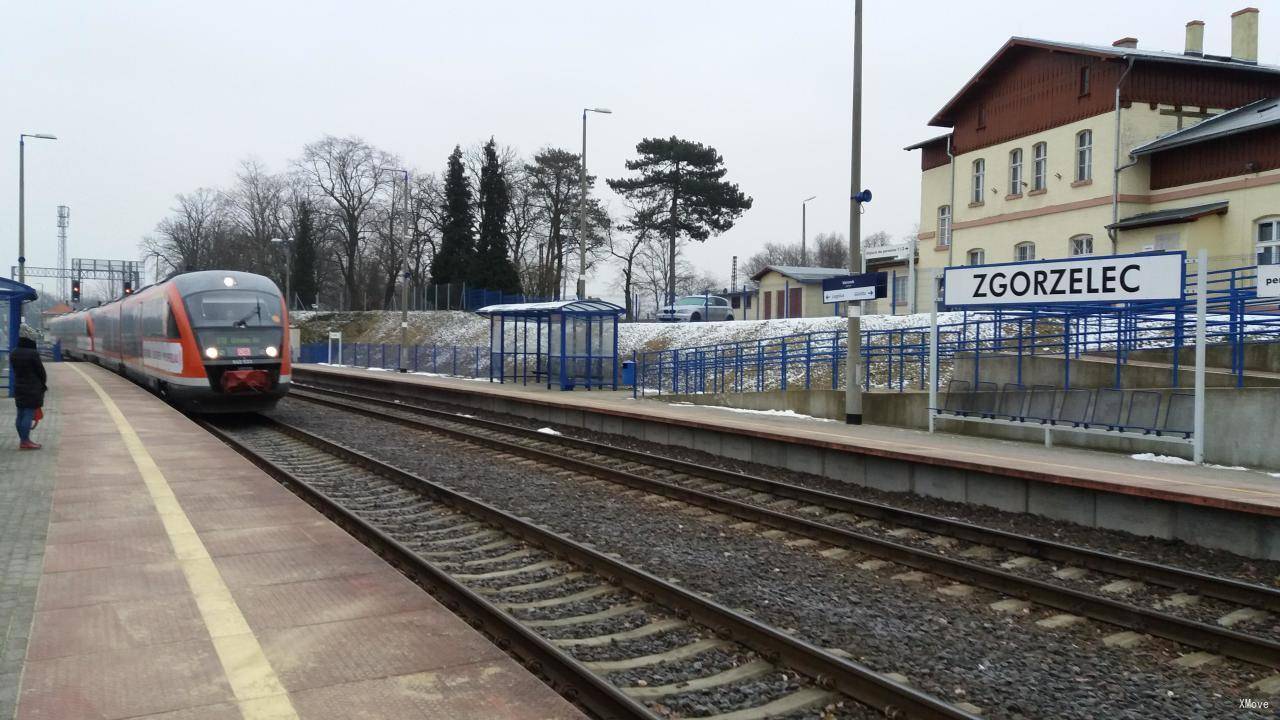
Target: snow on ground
{"points": [[1171, 460], [549, 431]]}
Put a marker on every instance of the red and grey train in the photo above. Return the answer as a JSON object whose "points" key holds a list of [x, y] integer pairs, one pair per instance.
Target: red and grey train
{"points": [[209, 341]]}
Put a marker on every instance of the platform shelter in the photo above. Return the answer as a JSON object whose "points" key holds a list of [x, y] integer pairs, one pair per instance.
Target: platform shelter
{"points": [[12, 295], [565, 342]]}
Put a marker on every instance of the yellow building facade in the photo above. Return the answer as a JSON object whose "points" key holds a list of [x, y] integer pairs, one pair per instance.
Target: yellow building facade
{"points": [[1044, 179]]}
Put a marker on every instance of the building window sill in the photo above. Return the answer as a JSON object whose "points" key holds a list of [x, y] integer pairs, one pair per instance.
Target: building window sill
{"points": [[1041, 191], [1015, 196], [941, 248], [976, 204], [1082, 183]]}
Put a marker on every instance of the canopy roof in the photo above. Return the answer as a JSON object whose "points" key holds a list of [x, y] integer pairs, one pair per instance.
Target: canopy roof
{"points": [[543, 309], [1170, 216], [1254, 116], [801, 274], [13, 290]]}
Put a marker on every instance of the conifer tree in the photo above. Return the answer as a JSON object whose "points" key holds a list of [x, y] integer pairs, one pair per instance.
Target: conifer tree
{"points": [[493, 268], [454, 261], [302, 266]]}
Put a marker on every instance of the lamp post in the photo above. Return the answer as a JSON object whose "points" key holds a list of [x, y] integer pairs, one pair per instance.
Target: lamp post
{"points": [[288, 272], [582, 205], [22, 199], [853, 383], [804, 232], [404, 273]]}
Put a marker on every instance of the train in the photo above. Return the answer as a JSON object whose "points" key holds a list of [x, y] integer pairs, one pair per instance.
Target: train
{"points": [[212, 341]]}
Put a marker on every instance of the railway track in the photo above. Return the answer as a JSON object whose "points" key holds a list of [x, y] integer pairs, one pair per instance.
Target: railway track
{"points": [[616, 640], [996, 560]]}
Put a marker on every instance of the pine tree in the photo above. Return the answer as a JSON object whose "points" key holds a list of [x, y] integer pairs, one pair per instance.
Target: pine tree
{"points": [[302, 265], [687, 178], [493, 268], [454, 261]]}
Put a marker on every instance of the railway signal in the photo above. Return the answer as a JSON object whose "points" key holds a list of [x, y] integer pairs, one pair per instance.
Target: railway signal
{"points": [[128, 287], [75, 291]]}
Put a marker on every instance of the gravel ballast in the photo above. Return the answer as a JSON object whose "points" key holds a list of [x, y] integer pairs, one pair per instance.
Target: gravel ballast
{"points": [[955, 649]]}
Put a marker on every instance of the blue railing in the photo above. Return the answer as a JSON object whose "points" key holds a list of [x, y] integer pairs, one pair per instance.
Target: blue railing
{"points": [[458, 360], [897, 358]]}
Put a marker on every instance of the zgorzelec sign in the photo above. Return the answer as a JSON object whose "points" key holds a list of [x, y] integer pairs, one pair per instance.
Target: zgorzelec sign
{"points": [[1115, 278]]}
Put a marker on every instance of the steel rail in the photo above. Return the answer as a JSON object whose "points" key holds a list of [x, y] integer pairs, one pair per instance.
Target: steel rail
{"points": [[1253, 649], [850, 678], [1228, 589]]}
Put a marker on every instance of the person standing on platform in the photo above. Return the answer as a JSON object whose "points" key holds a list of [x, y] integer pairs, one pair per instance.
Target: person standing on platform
{"points": [[29, 386]]}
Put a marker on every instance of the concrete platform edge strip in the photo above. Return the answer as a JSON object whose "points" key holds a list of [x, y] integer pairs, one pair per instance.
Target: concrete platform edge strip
{"points": [[258, 689]]}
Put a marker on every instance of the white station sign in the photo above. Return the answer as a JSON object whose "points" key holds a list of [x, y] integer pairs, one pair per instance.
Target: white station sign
{"points": [[1269, 281], [1114, 278]]}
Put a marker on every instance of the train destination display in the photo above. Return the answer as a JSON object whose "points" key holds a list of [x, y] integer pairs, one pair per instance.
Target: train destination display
{"points": [[1115, 278]]}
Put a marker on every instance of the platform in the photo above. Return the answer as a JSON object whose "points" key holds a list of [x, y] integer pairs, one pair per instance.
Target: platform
{"points": [[177, 581], [1237, 510]]}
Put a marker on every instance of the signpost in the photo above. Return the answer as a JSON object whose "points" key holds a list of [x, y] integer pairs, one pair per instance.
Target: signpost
{"points": [[1269, 281], [1110, 279], [852, 288], [1107, 280], [335, 335]]}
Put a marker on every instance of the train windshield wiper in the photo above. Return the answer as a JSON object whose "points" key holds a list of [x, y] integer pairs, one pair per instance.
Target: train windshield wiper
{"points": [[257, 310]]}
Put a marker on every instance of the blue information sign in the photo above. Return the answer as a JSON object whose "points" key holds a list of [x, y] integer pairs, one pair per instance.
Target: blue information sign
{"points": [[867, 286]]}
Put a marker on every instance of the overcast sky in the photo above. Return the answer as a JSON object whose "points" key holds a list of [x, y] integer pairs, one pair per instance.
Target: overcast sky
{"points": [[154, 98]]}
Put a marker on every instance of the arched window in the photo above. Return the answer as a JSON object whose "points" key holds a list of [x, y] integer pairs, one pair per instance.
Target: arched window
{"points": [[1024, 251], [979, 180], [1084, 155], [1039, 165], [1268, 238], [1080, 245], [977, 256], [1015, 171]]}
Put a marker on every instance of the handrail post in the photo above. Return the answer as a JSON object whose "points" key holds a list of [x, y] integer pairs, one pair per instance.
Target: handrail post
{"points": [[1197, 451]]}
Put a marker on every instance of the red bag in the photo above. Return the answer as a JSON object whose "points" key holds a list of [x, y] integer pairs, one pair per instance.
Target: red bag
{"points": [[39, 417]]}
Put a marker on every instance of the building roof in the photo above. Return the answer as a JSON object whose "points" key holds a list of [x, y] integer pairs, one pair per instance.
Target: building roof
{"points": [[539, 309], [943, 119], [59, 309], [13, 290], [1254, 116], [1170, 216], [801, 274], [930, 141]]}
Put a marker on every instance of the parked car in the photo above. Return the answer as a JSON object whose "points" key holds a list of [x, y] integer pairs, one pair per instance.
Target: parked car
{"points": [[697, 308]]}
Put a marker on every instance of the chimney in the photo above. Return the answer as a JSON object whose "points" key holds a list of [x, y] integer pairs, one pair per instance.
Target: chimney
{"points": [[1244, 35], [1126, 42], [1195, 38]]}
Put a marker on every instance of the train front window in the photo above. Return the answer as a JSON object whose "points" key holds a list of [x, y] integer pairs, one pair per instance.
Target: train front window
{"points": [[233, 309]]}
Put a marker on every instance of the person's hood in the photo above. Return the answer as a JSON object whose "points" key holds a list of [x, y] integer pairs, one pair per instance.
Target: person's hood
{"points": [[25, 342]]}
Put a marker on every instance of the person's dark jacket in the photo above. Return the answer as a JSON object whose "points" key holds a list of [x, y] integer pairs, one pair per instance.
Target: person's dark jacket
{"points": [[29, 380]]}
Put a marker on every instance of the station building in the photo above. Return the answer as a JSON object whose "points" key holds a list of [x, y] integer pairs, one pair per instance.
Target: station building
{"points": [[1058, 149]]}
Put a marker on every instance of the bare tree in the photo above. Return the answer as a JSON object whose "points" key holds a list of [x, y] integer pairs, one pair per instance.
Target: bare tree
{"points": [[831, 250], [258, 209], [187, 240], [628, 246], [350, 173]]}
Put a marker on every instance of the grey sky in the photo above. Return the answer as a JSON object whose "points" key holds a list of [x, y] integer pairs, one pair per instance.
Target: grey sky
{"points": [[154, 98]]}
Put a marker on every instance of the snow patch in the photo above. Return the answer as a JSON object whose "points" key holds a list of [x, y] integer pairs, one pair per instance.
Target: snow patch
{"points": [[774, 413], [549, 431], [1165, 459]]}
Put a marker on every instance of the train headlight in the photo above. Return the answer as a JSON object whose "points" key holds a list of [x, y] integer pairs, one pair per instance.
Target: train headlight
{"points": [[272, 351], [229, 281], [211, 353]]}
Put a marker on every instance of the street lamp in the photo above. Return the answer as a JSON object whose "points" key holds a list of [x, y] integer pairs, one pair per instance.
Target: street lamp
{"points": [[288, 272], [582, 205], [22, 199], [804, 233], [404, 273], [853, 350]]}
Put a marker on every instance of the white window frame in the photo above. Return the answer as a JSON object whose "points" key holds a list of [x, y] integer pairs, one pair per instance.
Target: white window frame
{"points": [[1084, 155], [1085, 249], [1039, 165], [944, 225], [1015, 171], [979, 181], [976, 253], [1272, 246], [1024, 252]]}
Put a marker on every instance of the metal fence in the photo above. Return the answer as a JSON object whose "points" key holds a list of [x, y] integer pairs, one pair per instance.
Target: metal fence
{"points": [[458, 296], [458, 360], [897, 358]]}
